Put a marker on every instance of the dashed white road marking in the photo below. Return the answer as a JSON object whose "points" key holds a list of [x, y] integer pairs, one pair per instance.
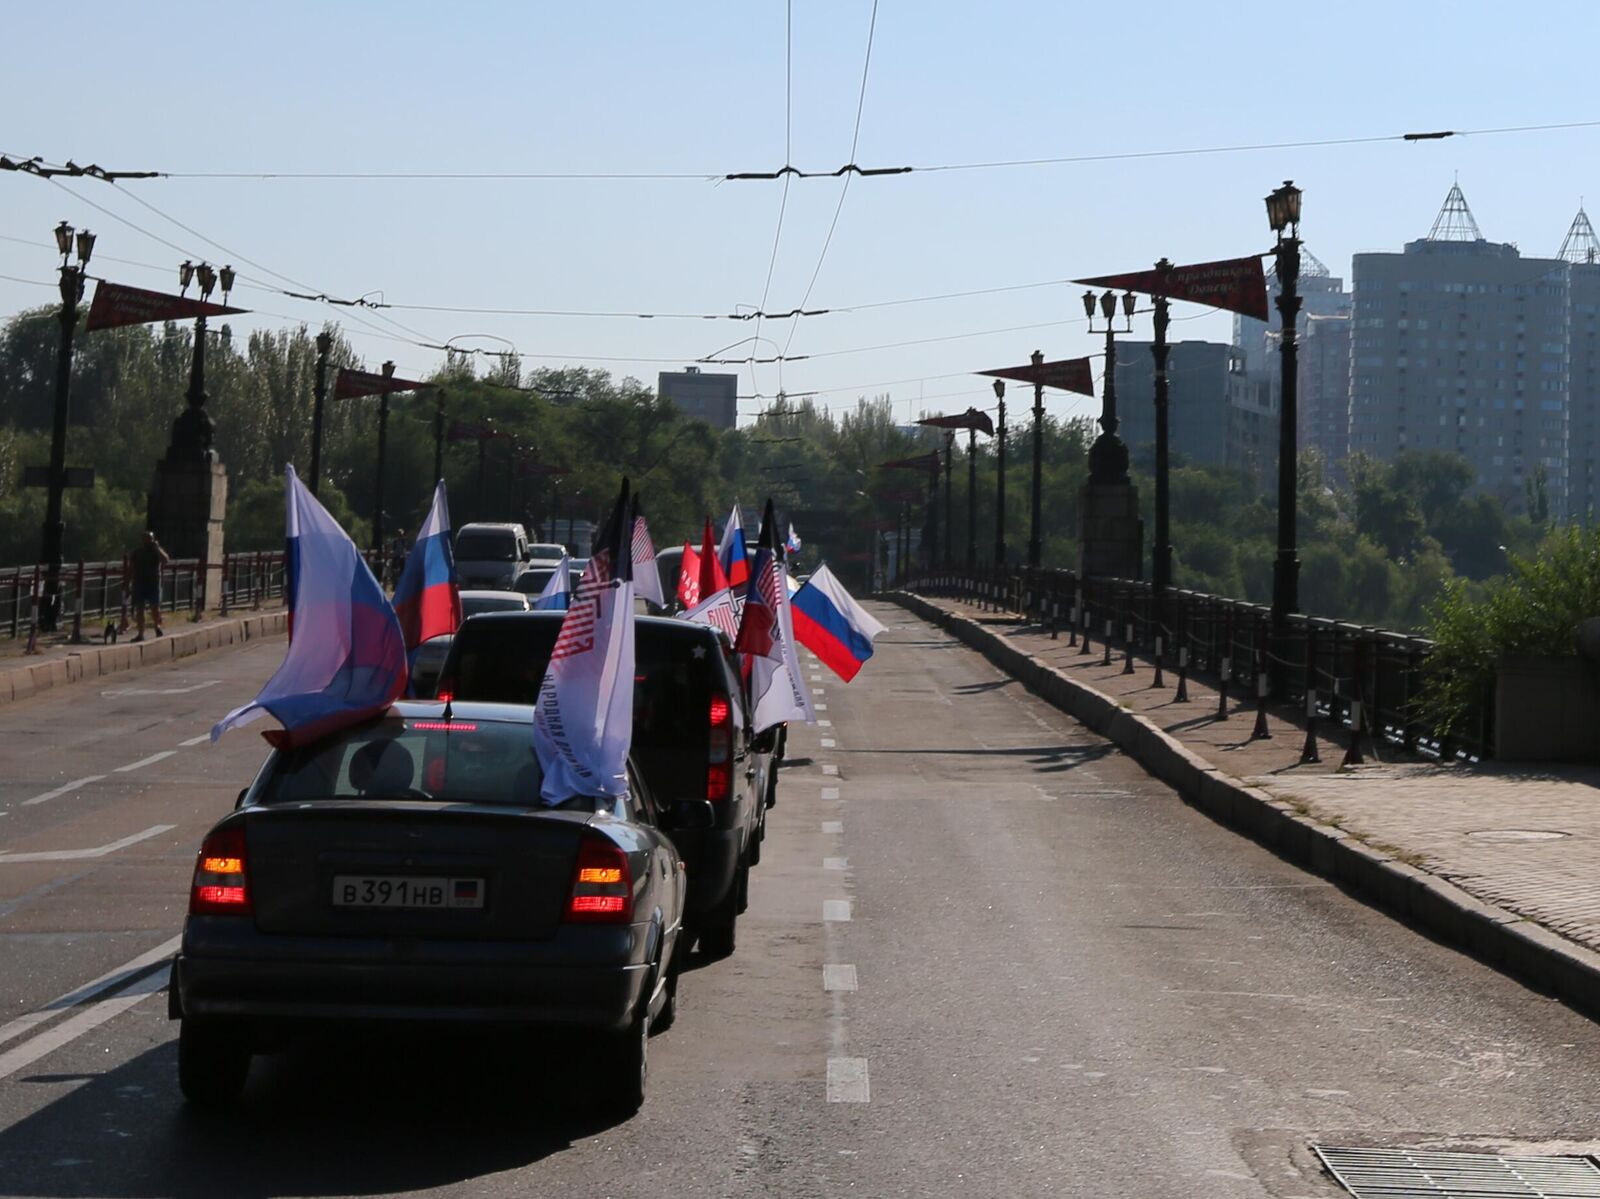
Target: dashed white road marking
{"points": [[830, 793], [830, 769], [824, 724], [819, 691], [143, 762], [828, 743], [63, 789], [847, 1080], [195, 740], [834, 827], [836, 911], [74, 855], [108, 981], [820, 707], [119, 692], [838, 978], [73, 1027], [835, 863]]}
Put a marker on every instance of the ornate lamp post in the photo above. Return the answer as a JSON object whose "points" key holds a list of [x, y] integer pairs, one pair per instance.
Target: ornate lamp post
{"points": [[55, 528], [1035, 542], [1161, 562], [1283, 214], [198, 423], [324, 345], [1000, 478], [1108, 456], [949, 512], [383, 448]]}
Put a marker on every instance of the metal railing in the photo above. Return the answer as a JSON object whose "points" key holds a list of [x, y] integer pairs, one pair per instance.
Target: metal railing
{"points": [[1363, 679]]}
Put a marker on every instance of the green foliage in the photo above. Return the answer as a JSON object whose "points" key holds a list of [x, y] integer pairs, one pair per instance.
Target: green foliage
{"points": [[1534, 611]]}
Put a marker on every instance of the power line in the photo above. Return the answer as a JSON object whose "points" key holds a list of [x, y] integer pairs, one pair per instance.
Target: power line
{"points": [[844, 188]]}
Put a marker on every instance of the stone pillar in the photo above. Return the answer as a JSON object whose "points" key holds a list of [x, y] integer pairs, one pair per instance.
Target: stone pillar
{"points": [[188, 500], [1110, 533]]}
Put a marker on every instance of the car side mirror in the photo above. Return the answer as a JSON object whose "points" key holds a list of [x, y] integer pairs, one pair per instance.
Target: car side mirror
{"points": [[239, 799], [765, 741], [689, 814]]}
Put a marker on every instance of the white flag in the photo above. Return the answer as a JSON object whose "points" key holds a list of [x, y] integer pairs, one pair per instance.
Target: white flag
{"points": [[777, 684], [646, 576], [722, 610], [583, 721]]}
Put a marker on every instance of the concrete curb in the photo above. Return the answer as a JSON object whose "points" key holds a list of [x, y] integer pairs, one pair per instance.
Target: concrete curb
{"points": [[1502, 939], [94, 661]]}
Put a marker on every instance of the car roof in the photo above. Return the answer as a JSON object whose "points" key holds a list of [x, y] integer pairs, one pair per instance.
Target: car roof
{"points": [[492, 593], [424, 709], [491, 524], [660, 625]]}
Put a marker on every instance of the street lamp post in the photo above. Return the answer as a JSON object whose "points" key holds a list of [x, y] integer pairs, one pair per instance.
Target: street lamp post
{"points": [[320, 394], [1035, 542], [930, 522], [438, 433], [55, 528], [1161, 563], [383, 452], [972, 497], [1108, 456], [1000, 478], [1283, 214], [485, 432], [949, 510]]}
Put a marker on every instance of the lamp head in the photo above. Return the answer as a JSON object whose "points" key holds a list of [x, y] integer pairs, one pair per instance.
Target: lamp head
{"points": [[1128, 301], [207, 277], [999, 389], [64, 238], [185, 275], [227, 277], [324, 342], [85, 246], [1108, 304], [1088, 304], [1283, 207]]}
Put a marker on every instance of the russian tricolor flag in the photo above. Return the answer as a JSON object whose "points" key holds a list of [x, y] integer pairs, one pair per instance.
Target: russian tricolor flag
{"points": [[829, 622], [731, 550], [427, 598], [346, 660], [557, 593]]}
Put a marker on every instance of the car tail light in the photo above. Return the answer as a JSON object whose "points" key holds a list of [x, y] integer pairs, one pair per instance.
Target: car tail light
{"points": [[221, 884], [719, 765], [602, 884]]}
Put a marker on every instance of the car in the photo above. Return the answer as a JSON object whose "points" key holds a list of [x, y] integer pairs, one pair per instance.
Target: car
{"points": [[546, 552], [533, 580], [474, 603], [491, 555], [427, 660], [691, 739], [404, 873]]}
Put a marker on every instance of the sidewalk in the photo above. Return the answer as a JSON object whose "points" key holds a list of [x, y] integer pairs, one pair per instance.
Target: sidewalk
{"points": [[58, 664], [1499, 858]]}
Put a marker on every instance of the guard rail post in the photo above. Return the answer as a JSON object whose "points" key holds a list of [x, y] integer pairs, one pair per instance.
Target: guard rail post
{"points": [[1308, 751]]}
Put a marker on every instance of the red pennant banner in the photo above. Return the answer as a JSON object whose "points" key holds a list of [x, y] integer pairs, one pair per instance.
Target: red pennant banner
{"points": [[351, 384], [1065, 374], [928, 462], [116, 305], [970, 419], [1234, 284]]}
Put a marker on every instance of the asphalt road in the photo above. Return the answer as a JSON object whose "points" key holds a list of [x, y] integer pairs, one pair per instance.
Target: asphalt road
{"points": [[985, 955]]}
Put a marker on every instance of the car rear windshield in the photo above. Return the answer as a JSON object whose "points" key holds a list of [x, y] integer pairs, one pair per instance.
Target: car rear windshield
{"points": [[462, 760], [486, 545], [504, 661], [473, 605], [531, 582]]}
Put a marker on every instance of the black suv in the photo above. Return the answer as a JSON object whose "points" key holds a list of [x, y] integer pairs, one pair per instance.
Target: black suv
{"points": [[691, 739]]}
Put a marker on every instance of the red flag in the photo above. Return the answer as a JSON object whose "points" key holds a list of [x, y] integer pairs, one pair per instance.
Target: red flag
{"points": [[1064, 374], [689, 577], [712, 578], [352, 384], [1234, 284], [117, 304], [970, 419], [758, 625]]}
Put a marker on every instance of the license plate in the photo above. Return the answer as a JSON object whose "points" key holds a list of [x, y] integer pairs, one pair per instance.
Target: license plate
{"points": [[405, 891]]}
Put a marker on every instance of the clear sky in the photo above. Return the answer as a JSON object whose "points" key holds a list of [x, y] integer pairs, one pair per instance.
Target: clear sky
{"points": [[699, 88]]}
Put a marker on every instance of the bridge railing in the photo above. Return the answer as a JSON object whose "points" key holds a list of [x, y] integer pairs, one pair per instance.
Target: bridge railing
{"points": [[1364, 679]]}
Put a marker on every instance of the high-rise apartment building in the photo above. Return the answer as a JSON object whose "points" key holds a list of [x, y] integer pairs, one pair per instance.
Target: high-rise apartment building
{"points": [[1324, 376], [1460, 344], [1582, 250], [711, 398]]}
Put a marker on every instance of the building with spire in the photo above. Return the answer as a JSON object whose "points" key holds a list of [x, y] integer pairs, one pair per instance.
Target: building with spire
{"points": [[1581, 250], [1462, 345]]}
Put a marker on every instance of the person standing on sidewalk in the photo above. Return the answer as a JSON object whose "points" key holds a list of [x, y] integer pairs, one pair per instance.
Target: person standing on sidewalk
{"points": [[148, 560]]}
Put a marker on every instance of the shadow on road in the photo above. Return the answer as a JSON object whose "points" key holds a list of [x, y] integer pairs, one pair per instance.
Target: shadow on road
{"points": [[357, 1118], [980, 688], [1045, 757]]}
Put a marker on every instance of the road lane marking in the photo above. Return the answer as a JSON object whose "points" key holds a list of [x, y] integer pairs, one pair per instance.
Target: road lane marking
{"points": [[74, 855], [830, 769], [833, 826], [818, 691], [824, 724], [108, 981], [119, 692], [828, 743], [835, 864], [87, 1020], [830, 793], [820, 707], [847, 1080], [194, 740], [63, 789], [143, 762], [836, 911], [838, 978]]}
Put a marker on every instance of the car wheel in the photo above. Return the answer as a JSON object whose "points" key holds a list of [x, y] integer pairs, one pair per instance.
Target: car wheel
{"points": [[624, 1068], [772, 785], [668, 1014], [718, 928], [741, 881], [755, 841], [213, 1064]]}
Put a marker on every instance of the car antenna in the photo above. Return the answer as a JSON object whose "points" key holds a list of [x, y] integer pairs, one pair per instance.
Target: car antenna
{"points": [[448, 701]]}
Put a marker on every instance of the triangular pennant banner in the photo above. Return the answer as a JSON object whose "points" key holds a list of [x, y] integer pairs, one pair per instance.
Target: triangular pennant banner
{"points": [[1065, 374], [1234, 284], [117, 304], [352, 384], [970, 419]]}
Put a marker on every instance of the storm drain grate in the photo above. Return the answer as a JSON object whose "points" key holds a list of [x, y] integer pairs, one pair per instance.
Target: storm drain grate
{"points": [[1412, 1174]]}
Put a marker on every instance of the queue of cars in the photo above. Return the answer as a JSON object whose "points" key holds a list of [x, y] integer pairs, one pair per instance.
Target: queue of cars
{"points": [[405, 873]]}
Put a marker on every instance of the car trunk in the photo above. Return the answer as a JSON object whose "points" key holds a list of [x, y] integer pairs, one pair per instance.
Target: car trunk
{"points": [[516, 864], [504, 660]]}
